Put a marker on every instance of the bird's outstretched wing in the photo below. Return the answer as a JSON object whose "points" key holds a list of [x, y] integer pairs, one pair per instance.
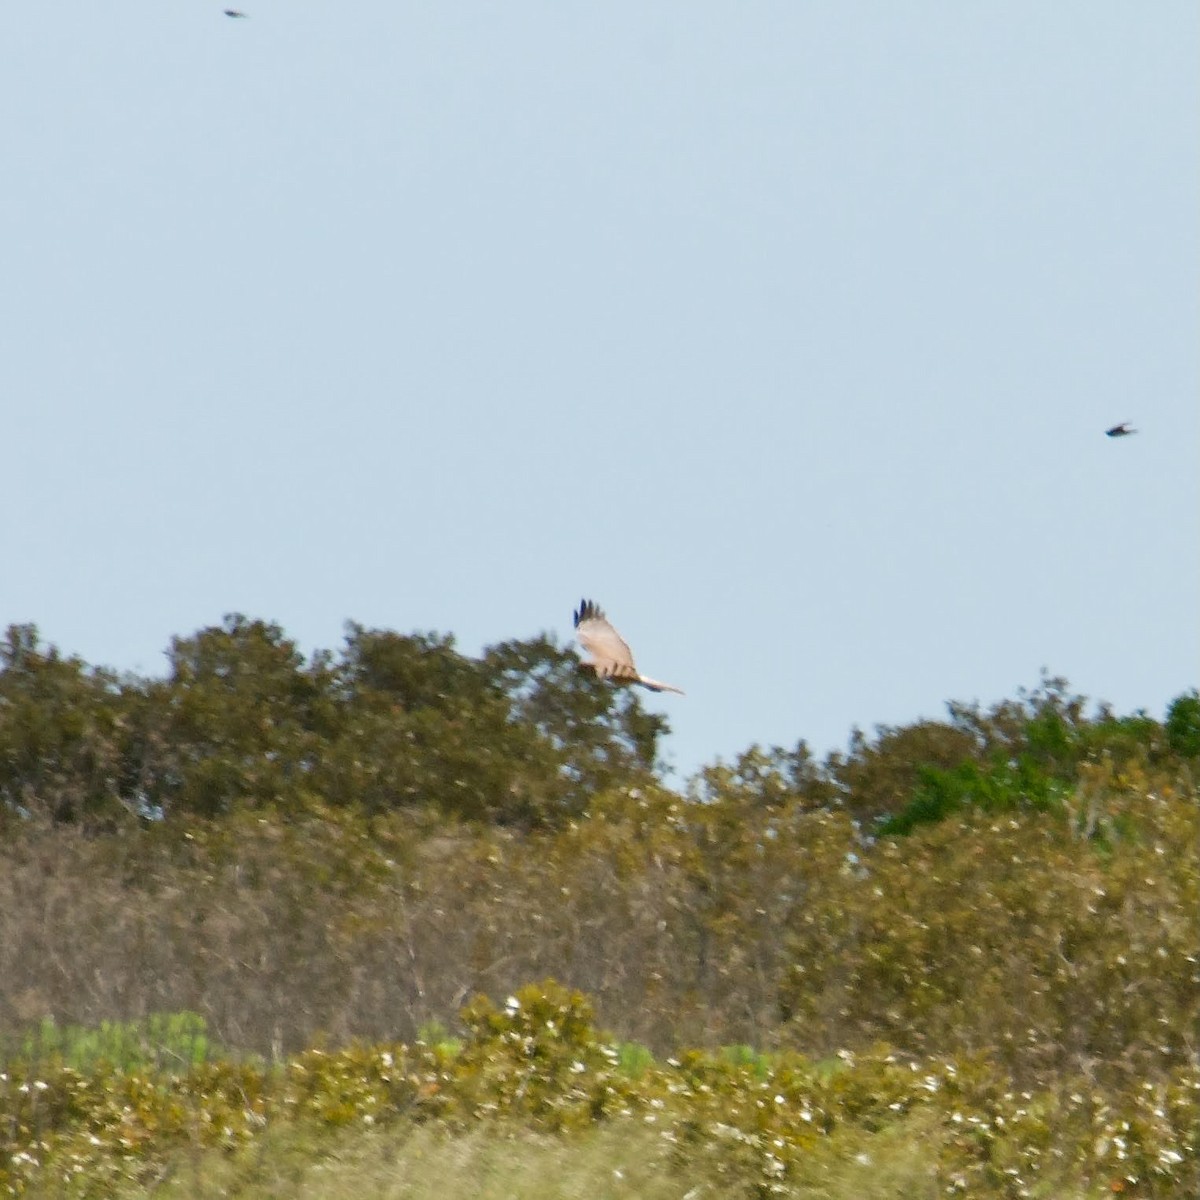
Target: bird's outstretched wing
{"points": [[611, 656], [610, 652]]}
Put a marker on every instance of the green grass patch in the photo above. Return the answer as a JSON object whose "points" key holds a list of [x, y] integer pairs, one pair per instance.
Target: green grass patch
{"points": [[415, 1162], [159, 1042]]}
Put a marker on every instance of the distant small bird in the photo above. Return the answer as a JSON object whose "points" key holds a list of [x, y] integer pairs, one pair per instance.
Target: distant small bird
{"points": [[233, 12], [611, 656], [1122, 430]]}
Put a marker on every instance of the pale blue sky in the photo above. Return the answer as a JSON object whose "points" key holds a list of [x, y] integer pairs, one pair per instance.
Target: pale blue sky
{"points": [[787, 331]]}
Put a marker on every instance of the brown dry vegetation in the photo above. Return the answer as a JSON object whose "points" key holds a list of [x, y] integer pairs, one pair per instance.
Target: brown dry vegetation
{"points": [[688, 925]]}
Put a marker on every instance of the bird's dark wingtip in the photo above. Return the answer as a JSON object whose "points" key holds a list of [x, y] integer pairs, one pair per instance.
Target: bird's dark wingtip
{"points": [[587, 610]]}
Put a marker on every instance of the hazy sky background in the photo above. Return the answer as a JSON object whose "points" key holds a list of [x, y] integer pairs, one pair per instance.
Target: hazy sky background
{"points": [[787, 331]]}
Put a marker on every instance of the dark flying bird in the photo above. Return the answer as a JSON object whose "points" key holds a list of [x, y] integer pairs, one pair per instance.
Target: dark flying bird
{"points": [[233, 12], [611, 656], [1122, 430]]}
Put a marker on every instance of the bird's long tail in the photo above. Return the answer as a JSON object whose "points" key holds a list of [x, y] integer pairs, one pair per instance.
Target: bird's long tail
{"points": [[655, 686]]}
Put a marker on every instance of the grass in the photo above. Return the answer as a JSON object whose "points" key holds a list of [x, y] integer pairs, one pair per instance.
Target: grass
{"points": [[496, 1162], [628, 1160], [425, 1163]]}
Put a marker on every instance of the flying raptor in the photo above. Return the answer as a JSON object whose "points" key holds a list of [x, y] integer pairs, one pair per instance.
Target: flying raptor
{"points": [[611, 656], [1122, 430]]}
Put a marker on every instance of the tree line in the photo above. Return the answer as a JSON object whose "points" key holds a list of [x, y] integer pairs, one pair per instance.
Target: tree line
{"points": [[519, 736]]}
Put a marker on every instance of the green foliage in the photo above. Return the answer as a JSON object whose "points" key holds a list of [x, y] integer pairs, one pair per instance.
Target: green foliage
{"points": [[60, 731], [436, 1035], [162, 1041], [519, 736], [634, 1059], [996, 787], [1020, 756], [239, 720], [747, 1056], [876, 778], [1183, 725]]}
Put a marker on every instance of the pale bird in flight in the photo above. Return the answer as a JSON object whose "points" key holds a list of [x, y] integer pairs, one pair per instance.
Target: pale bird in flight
{"points": [[611, 656]]}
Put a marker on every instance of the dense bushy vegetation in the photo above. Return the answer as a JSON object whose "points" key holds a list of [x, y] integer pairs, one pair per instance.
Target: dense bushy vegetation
{"points": [[747, 1124], [982, 933]]}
